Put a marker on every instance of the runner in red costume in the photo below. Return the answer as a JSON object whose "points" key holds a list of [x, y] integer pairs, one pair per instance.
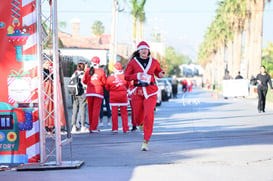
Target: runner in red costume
{"points": [[117, 87], [141, 69], [95, 78]]}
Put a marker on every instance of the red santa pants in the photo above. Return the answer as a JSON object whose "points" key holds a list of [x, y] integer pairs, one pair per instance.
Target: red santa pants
{"points": [[144, 113], [94, 104], [124, 118]]}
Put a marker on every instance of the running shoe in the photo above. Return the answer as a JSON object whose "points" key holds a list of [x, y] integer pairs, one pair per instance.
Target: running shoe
{"points": [[134, 128], [108, 124], [144, 146], [101, 124], [115, 131], [84, 130], [140, 127], [94, 131], [74, 130]]}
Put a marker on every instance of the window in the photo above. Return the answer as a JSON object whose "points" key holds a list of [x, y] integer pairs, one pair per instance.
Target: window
{"points": [[6, 122]]}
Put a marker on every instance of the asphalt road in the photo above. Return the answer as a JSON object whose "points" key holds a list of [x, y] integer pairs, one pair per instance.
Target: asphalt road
{"points": [[196, 137]]}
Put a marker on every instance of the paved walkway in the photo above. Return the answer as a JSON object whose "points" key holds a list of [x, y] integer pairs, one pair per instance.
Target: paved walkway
{"points": [[195, 138]]}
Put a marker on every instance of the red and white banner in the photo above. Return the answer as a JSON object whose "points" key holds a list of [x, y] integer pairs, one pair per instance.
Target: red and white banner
{"points": [[18, 67]]}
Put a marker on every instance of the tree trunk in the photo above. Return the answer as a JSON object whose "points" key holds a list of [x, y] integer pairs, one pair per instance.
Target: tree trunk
{"points": [[237, 53], [247, 52], [141, 30], [230, 55], [247, 49], [256, 34], [221, 65], [213, 68], [134, 32]]}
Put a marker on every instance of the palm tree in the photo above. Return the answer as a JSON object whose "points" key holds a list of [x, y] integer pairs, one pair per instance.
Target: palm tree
{"points": [[97, 28], [240, 14], [141, 20], [138, 15], [267, 58], [62, 24], [256, 29], [246, 55]]}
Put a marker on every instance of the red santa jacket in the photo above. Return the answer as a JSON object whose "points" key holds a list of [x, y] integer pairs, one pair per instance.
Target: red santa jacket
{"points": [[95, 82], [117, 87], [153, 68]]}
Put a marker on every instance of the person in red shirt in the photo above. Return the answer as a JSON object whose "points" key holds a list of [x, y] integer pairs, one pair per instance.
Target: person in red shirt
{"points": [[117, 87], [184, 85], [95, 78], [141, 69]]}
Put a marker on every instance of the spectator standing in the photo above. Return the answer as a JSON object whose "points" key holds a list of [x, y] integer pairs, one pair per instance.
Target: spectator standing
{"points": [[239, 76], [117, 87], [48, 88], [174, 86], [263, 79], [79, 102], [95, 79], [141, 69], [184, 85], [227, 77]]}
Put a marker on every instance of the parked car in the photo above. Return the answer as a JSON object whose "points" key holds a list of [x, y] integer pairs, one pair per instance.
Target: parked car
{"points": [[169, 79], [165, 88], [159, 95]]}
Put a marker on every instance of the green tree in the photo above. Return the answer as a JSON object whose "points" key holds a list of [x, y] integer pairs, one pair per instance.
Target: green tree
{"points": [[62, 24], [175, 71], [267, 58], [174, 60], [97, 28]]}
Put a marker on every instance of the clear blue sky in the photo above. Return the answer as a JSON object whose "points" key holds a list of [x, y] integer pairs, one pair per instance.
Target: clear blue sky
{"points": [[182, 22]]}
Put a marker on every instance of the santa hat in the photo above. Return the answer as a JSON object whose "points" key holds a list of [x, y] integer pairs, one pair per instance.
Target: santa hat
{"points": [[95, 60], [118, 66], [142, 45]]}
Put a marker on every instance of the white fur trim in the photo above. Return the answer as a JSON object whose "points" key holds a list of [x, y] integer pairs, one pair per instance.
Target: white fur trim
{"points": [[130, 92], [139, 65], [149, 65], [118, 72], [94, 95], [142, 46], [138, 75], [146, 94], [118, 104]]}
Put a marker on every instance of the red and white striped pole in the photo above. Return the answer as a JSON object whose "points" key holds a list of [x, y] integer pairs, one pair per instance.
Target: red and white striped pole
{"points": [[29, 21]]}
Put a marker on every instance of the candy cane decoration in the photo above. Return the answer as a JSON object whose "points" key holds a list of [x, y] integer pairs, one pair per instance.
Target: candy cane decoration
{"points": [[29, 21], [33, 140]]}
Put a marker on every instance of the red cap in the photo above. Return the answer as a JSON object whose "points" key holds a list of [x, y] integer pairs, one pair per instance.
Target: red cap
{"points": [[142, 45], [95, 60], [118, 66]]}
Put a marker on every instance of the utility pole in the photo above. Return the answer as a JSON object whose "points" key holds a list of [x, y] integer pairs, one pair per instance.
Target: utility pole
{"points": [[113, 41]]}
